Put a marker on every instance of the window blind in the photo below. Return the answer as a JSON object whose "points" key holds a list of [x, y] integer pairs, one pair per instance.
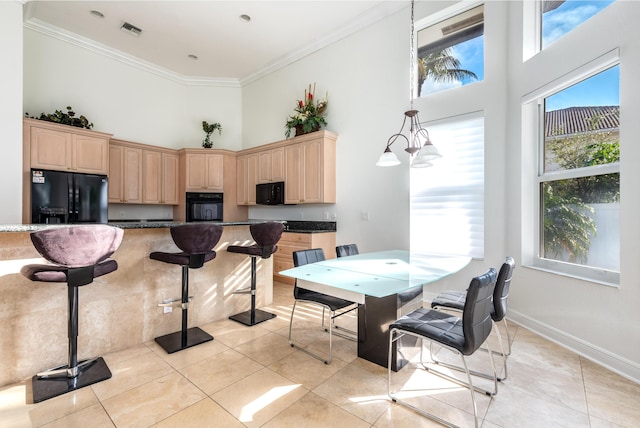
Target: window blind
{"points": [[447, 200]]}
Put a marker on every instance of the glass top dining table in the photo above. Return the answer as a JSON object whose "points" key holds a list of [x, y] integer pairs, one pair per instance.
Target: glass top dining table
{"points": [[378, 274]]}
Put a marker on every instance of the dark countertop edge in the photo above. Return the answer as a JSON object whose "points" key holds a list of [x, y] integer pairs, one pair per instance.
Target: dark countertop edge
{"points": [[308, 231], [122, 225]]}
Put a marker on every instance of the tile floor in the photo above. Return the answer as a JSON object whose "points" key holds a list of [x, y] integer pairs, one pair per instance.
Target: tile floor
{"points": [[250, 376]]}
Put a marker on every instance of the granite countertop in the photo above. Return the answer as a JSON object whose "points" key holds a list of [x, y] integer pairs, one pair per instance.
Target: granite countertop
{"points": [[134, 224], [310, 226], [290, 225]]}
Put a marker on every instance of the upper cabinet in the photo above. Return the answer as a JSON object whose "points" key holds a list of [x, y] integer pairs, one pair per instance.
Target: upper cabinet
{"points": [[142, 174], [271, 165], [306, 164], [65, 148], [204, 171], [160, 177], [125, 173]]}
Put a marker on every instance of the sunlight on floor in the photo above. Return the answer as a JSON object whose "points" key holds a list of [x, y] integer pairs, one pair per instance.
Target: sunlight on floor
{"points": [[250, 409]]}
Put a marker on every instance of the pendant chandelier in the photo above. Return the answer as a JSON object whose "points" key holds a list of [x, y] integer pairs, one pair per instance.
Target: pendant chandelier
{"points": [[419, 145]]}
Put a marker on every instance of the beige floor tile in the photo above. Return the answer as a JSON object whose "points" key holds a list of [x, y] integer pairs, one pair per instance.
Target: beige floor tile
{"points": [[205, 413], [515, 408], [358, 391], [96, 414], [529, 348], [611, 397], [232, 333], [600, 423], [258, 398], [266, 349], [215, 373], [63, 405], [152, 402], [306, 370], [398, 416], [312, 411], [14, 413], [128, 373]]}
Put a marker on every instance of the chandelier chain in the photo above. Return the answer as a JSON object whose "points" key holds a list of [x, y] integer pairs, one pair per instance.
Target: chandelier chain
{"points": [[412, 59]]}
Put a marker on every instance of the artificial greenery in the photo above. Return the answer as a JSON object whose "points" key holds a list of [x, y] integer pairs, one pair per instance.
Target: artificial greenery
{"points": [[208, 129], [67, 118], [309, 114]]}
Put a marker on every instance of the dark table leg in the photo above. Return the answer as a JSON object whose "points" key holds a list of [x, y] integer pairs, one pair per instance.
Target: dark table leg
{"points": [[373, 326]]}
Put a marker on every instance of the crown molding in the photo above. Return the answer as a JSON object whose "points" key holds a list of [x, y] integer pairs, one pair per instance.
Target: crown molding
{"points": [[377, 13], [106, 51]]}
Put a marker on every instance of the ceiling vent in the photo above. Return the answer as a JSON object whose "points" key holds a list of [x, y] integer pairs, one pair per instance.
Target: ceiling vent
{"points": [[132, 29]]}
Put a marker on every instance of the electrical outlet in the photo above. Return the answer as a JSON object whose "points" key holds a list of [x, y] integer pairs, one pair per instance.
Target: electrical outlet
{"points": [[167, 309], [326, 215], [364, 215], [123, 214], [301, 216]]}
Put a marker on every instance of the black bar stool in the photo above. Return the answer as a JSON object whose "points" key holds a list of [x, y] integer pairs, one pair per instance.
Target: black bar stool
{"points": [[79, 254], [266, 236], [196, 240]]}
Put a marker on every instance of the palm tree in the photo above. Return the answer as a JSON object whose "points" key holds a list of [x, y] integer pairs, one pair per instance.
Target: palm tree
{"points": [[441, 66]]}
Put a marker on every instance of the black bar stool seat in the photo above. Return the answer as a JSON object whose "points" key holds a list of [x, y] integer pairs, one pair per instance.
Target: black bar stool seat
{"points": [[266, 236], [196, 240], [79, 254]]}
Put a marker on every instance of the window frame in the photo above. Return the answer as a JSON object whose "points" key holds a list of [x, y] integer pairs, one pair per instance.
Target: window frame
{"points": [[433, 19], [537, 97]]}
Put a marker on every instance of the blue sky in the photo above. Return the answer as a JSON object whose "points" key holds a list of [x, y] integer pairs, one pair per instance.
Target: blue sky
{"points": [[602, 89]]}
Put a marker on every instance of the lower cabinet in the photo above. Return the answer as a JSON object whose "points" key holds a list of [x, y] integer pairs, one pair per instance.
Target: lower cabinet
{"points": [[293, 241]]}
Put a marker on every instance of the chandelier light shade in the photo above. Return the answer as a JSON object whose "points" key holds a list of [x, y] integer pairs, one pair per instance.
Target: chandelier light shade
{"points": [[419, 145]]}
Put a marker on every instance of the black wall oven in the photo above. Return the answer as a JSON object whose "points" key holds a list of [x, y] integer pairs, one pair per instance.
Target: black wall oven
{"points": [[204, 207]]}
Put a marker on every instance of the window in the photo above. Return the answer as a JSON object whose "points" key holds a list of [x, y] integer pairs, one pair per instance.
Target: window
{"points": [[560, 17], [447, 200], [579, 177], [451, 52]]}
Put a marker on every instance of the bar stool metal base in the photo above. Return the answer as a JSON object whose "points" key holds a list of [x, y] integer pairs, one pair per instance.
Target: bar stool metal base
{"points": [[174, 342], [252, 317], [92, 372]]}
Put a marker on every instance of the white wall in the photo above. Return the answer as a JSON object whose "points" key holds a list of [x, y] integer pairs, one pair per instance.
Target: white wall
{"points": [[11, 112], [599, 321], [123, 100]]}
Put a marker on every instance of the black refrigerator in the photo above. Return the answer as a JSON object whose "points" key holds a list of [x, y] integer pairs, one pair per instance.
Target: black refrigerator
{"points": [[65, 197]]}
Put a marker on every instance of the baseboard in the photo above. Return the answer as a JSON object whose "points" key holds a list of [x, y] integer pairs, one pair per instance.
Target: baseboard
{"points": [[617, 364]]}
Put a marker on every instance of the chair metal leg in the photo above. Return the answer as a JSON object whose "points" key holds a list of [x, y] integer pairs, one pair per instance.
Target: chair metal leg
{"points": [[329, 329], [395, 335], [293, 345], [506, 327]]}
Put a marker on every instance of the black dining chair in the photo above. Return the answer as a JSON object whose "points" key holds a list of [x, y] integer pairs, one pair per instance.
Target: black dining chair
{"points": [[347, 250], [462, 336], [455, 299], [334, 305]]}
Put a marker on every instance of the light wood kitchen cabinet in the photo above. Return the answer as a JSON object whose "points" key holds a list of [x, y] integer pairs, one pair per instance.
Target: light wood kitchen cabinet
{"points": [[247, 170], [160, 172], [306, 164], [293, 241], [125, 174], [310, 172], [271, 165], [204, 171], [65, 148]]}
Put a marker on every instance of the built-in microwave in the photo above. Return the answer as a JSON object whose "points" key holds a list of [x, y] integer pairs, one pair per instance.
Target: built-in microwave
{"points": [[204, 206], [270, 193]]}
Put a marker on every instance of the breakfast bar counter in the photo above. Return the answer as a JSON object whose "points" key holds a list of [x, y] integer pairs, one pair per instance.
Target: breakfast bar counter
{"points": [[119, 310]]}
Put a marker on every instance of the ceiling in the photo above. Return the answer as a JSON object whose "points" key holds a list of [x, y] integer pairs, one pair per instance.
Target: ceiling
{"points": [[227, 47]]}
